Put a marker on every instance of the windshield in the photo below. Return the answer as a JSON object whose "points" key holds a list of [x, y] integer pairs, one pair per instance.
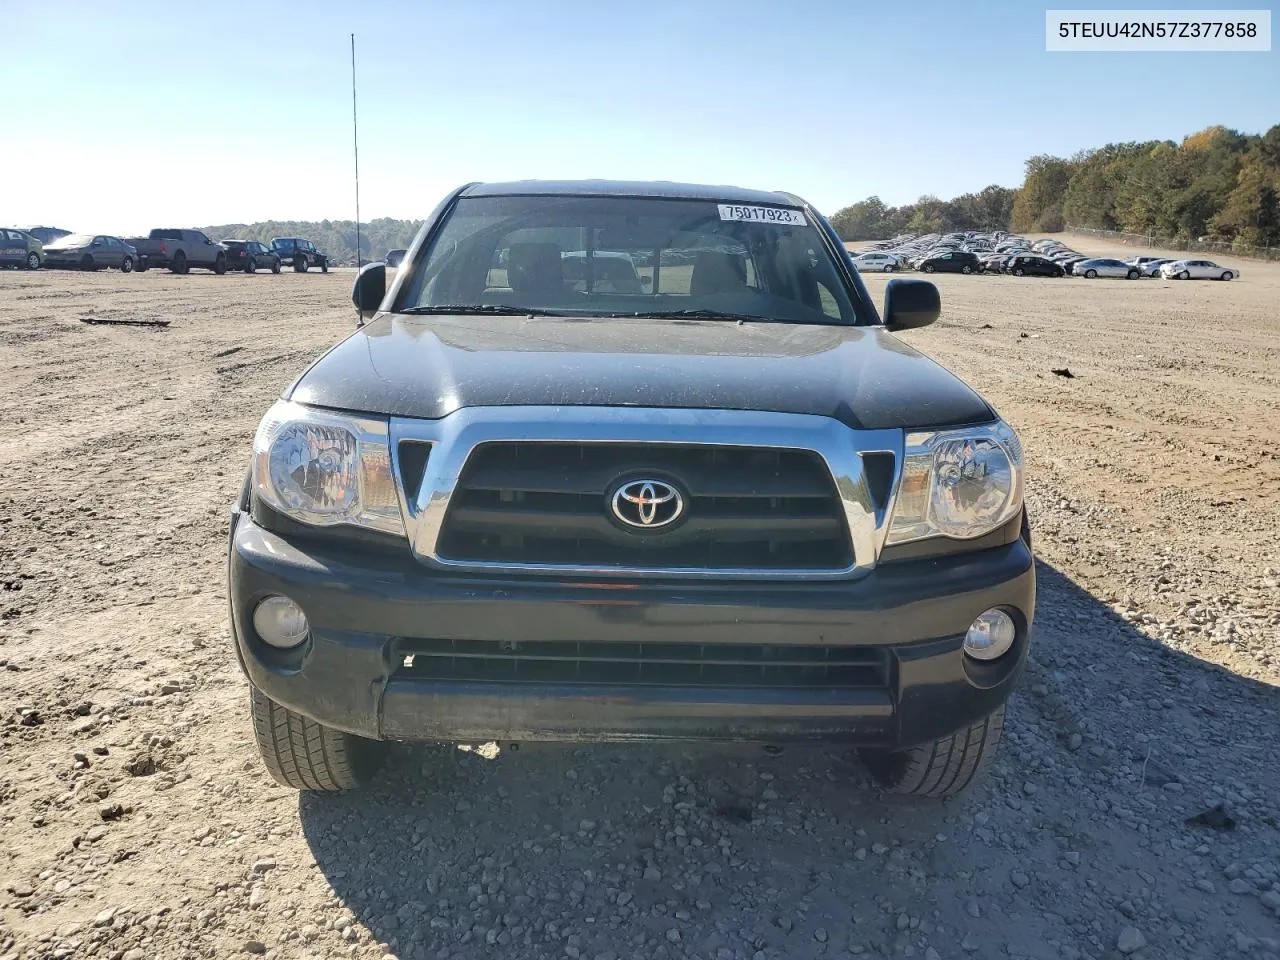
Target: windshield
{"points": [[626, 256], [73, 240]]}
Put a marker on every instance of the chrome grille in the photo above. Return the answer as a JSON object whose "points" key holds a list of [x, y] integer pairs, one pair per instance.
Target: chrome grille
{"points": [[539, 502]]}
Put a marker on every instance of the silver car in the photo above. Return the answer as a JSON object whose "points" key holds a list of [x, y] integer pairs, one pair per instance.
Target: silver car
{"points": [[876, 262], [1197, 270], [1105, 267]]}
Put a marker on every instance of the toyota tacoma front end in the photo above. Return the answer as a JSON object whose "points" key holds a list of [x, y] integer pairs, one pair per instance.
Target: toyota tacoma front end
{"points": [[631, 461]]}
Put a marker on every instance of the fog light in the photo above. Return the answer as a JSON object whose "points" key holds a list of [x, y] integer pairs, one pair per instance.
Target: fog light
{"points": [[990, 636], [280, 622]]}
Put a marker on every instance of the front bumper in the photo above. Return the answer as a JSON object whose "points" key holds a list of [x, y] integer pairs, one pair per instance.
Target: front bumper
{"points": [[367, 608]]}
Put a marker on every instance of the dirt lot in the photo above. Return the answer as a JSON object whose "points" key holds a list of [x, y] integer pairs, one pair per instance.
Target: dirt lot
{"points": [[137, 822]]}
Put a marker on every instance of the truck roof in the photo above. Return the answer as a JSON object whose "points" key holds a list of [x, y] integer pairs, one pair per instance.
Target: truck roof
{"points": [[628, 188]]}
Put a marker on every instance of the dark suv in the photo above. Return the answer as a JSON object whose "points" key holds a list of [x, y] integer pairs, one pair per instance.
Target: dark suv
{"points": [[625, 461], [299, 252], [1030, 265], [250, 255], [953, 261]]}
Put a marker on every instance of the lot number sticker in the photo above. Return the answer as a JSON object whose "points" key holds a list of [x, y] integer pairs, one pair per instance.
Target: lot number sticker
{"points": [[731, 211]]}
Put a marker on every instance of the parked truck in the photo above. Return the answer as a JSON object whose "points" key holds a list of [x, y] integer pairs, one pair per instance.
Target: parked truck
{"points": [[180, 250]]}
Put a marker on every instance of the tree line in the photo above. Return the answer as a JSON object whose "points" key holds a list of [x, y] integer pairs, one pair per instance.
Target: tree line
{"points": [[337, 238], [1217, 184]]}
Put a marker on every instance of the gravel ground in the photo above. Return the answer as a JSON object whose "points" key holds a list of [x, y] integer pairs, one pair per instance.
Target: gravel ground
{"points": [[1132, 812]]}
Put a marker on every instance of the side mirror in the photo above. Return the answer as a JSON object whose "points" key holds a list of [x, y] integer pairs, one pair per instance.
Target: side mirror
{"points": [[910, 303], [369, 289]]}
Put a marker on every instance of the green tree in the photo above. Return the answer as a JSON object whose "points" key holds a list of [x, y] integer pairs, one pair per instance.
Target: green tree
{"points": [[1038, 203]]}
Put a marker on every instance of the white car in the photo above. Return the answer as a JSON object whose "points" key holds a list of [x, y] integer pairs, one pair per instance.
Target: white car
{"points": [[876, 262], [1197, 270], [1105, 267]]}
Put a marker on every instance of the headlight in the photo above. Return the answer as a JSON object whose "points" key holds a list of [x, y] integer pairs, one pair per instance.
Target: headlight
{"points": [[324, 468], [958, 483]]}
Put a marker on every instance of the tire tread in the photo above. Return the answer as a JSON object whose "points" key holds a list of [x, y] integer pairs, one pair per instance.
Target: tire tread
{"points": [[301, 753], [944, 767]]}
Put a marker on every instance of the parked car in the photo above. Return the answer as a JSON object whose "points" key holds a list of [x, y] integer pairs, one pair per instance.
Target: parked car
{"points": [[1033, 266], [1140, 262], [85, 251], [876, 262], [249, 255], [47, 235], [875, 599], [1197, 270], [994, 262], [20, 249], [1152, 267], [301, 253], [180, 250], [1105, 267], [395, 258], [956, 261]]}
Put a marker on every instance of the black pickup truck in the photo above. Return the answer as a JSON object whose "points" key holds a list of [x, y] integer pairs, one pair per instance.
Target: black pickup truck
{"points": [[626, 461]]}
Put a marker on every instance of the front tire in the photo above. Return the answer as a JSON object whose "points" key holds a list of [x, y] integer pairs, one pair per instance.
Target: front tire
{"points": [[1019, 272], [179, 264], [87, 264], [33, 261], [126, 265], [1184, 275], [928, 268], [250, 266], [299, 264], [889, 268], [1132, 275], [275, 265], [305, 755], [324, 266], [220, 265], [1091, 274], [1228, 275], [943, 768], [966, 269]]}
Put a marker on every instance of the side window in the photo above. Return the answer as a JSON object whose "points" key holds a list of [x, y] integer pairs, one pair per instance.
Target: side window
{"points": [[830, 305]]}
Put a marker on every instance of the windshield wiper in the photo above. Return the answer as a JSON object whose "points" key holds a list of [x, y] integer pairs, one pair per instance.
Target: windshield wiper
{"points": [[482, 309], [701, 314]]}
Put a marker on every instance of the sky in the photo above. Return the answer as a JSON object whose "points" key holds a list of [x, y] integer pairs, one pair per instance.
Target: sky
{"points": [[168, 115]]}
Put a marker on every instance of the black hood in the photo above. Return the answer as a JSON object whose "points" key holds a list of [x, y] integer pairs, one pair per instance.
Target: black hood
{"points": [[429, 367]]}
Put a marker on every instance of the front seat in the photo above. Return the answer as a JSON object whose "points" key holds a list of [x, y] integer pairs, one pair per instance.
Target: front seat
{"points": [[715, 272], [535, 269]]}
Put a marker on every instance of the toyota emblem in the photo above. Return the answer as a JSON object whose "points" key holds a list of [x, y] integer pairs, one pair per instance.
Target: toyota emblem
{"points": [[647, 504]]}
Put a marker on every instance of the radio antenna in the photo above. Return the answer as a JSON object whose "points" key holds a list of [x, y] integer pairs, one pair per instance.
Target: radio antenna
{"points": [[355, 143]]}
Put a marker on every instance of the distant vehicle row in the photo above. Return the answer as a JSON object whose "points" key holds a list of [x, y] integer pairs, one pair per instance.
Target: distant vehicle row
{"points": [[177, 250], [1001, 252]]}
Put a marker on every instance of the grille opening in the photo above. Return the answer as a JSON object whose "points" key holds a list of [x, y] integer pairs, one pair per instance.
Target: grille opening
{"points": [[413, 456], [879, 471], [645, 664], [746, 507]]}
